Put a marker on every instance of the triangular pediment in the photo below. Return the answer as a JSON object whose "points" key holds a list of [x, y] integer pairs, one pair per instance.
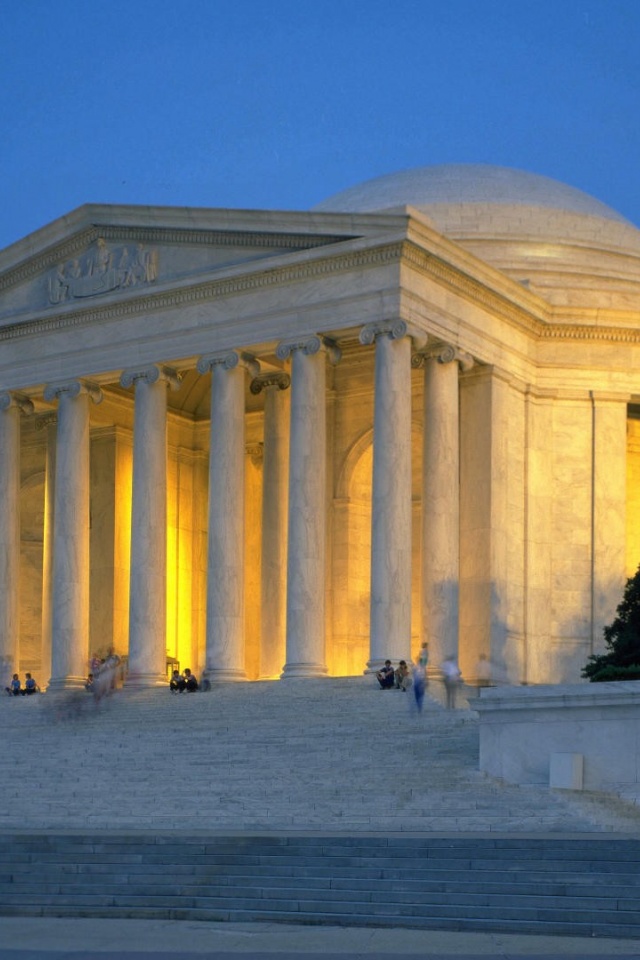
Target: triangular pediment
{"points": [[97, 257]]}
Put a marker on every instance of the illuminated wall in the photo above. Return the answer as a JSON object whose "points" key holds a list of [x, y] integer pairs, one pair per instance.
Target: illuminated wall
{"points": [[633, 496]]}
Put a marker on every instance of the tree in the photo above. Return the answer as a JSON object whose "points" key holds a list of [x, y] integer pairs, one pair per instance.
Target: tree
{"points": [[621, 661]]}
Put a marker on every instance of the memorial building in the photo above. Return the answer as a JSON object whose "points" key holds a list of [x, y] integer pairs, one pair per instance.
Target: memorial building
{"points": [[293, 444]]}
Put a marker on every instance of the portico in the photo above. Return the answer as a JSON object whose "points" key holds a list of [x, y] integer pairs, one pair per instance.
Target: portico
{"points": [[294, 444]]}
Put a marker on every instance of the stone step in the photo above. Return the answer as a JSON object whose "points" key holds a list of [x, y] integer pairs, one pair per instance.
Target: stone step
{"points": [[250, 763], [354, 893], [495, 883]]}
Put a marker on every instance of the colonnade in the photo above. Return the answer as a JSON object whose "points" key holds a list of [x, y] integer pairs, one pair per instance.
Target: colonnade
{"points": [[293, 516]]}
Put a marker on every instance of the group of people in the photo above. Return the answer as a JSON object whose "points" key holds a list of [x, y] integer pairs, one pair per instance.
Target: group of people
{"points": [[404, 678], [183, 682], [15, 688]]}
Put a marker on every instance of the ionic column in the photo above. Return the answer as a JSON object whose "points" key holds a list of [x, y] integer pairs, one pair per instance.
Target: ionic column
{"points": [[47, 422], [225, 563], [70, 613], [12, 405], [390, 628], [148, 574], [305, 646], [441, 499], [274, 520]]}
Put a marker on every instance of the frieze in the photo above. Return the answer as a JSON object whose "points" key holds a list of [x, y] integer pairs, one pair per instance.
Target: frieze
{"points": [[101, 270]]}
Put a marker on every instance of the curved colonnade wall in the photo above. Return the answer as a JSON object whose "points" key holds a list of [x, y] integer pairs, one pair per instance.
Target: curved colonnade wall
{"points": [[295, 444]]}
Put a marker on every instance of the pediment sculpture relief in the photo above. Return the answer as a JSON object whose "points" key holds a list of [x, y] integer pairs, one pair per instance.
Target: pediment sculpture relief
{"points": [[102, 270]]}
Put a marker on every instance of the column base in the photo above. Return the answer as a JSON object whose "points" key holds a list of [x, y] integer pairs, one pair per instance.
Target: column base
{"points": [[145, 681], [61, 684], [293, 671], [222, 675]]}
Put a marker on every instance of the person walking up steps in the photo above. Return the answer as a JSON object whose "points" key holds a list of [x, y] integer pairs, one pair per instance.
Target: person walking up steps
{"points": [[423, 656], [452, 679]]}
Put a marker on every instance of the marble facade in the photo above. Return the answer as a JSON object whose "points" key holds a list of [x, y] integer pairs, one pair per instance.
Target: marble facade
{"points": [[321, 437]]}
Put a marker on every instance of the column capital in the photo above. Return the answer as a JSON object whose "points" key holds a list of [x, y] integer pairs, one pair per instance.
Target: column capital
{"points": [[393, 329], [309, 346], [152, 374], [8, 398], [277, 379], [73, 389], [229, 360], [255, 452], [443, 353], [45, 420]]}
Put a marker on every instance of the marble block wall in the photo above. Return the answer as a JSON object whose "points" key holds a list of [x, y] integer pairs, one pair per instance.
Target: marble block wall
{"points": [[521, 729]]}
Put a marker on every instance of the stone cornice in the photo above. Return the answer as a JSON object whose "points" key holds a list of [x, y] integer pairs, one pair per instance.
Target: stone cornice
{"points": [[573, 331], [538, 319], [467, 286], [49, 258], [541, 324]]}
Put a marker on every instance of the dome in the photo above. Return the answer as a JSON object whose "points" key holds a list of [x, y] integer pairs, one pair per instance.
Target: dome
{"points": [[562, 243], [456, 183]]}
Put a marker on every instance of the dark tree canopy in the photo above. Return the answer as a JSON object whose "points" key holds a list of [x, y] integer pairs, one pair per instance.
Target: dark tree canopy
{"points": [[621, 660]]}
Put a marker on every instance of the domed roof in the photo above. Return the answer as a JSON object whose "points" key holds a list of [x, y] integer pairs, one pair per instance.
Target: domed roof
{"points": [[564, 244], [465, 183]]}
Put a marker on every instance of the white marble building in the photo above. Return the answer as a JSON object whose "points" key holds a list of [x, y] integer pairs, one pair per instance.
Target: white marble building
{"points": [[296, 443]]}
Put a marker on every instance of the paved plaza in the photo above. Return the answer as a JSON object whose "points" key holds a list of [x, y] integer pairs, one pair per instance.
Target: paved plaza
{"points": [[61, 939]]}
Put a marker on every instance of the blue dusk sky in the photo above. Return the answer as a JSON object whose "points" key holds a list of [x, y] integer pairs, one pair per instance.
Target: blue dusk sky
{"points": [[277, 104]]}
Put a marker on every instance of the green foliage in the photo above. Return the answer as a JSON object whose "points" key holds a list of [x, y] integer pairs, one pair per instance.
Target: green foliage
{"points": [[621, 661]]}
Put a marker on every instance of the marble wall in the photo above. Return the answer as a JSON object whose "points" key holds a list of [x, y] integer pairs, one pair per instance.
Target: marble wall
{"points": [[523, 729]]}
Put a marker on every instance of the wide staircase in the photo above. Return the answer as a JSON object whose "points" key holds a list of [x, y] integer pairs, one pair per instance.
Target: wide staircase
{"points": [[324, 801]]}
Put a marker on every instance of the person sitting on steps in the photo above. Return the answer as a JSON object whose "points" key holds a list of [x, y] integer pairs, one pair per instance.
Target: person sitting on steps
{"points": [[402, 677], [30, 686], [14, 687], [177, 684], [385, 676], [191, 683]]}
